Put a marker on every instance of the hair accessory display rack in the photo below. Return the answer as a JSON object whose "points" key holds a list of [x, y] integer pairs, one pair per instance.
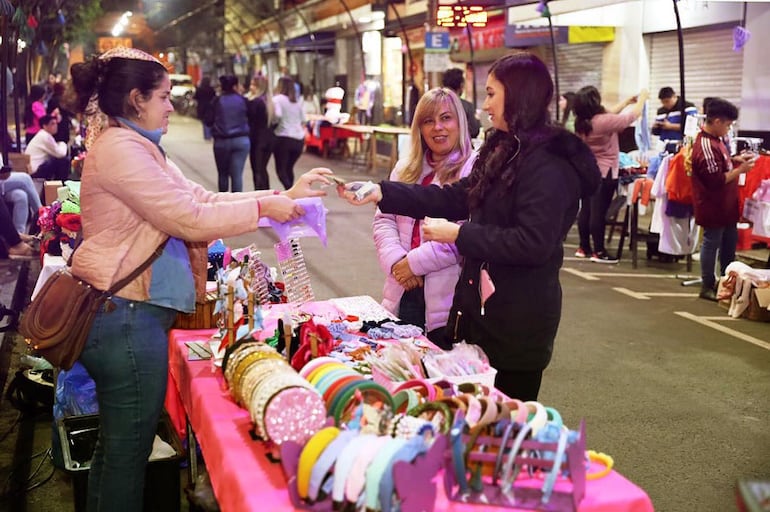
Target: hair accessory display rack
{"points": [[295, 275], [412, 480], [524, 496]]}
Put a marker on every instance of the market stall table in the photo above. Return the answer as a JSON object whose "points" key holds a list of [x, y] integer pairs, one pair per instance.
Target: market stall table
{"points": [[244, 479]]}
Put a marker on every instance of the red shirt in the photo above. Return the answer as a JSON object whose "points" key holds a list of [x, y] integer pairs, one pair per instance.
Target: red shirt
{"points": [[716, 202]]}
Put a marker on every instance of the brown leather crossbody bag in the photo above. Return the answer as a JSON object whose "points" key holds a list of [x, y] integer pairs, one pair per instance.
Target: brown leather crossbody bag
{"points": [[56, 324]]}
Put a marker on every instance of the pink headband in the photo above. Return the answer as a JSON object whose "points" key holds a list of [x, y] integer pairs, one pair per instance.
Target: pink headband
{"points": [[96, 120]]}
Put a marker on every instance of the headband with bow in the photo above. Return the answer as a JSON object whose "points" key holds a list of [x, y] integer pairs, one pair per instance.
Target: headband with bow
{"points": [[96, 120]]}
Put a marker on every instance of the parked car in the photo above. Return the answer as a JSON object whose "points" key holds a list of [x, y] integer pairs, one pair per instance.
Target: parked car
{"points": [[182, 92]]}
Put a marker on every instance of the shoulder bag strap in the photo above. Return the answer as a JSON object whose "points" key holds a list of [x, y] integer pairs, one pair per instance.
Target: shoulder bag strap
{"points": [[133, 275]]}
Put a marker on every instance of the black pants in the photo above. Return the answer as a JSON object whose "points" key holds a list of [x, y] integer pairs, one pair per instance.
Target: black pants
{"points": [[524, 385], [54, 169], [259, 156], [592, 220], [286, 153], [411, 310], [8, 233]]}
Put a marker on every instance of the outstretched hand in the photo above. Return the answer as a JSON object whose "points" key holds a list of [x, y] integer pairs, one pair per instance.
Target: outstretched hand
{"points": [[303, 186], [280, 208], [351, 192]]}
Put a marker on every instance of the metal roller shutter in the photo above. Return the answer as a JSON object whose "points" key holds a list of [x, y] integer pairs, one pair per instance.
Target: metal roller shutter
{"points": [[579, 65], [711, 67]]}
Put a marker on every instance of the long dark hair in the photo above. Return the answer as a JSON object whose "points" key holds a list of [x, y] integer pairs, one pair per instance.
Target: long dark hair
{"points": [[528, 89], [112, 80], [588, 103]]}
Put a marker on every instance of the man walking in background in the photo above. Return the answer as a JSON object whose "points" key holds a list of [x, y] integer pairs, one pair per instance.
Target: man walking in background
{"points": [[453, 79]]}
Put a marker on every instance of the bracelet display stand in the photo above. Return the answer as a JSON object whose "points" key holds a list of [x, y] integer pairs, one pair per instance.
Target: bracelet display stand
{"points": [[523, 496], [412, 480]]}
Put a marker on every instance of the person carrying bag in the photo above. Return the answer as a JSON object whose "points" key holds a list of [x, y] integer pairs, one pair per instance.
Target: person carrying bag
{"points": [[57, 322]]}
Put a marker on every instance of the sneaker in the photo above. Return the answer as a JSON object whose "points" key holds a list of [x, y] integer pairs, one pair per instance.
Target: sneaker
{"points": [[603, 257], [580, 253], [708, 294]]}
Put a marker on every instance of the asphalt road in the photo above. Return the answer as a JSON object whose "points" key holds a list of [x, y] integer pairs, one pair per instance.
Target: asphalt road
{"points": [[671, 388]]}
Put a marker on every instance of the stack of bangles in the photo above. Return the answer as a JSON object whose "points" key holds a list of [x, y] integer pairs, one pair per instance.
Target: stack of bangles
{"points": [[282, 405]]}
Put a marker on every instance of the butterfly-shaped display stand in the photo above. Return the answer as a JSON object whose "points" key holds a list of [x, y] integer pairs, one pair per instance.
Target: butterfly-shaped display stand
{"points": [[412, 480], [521, 496]]}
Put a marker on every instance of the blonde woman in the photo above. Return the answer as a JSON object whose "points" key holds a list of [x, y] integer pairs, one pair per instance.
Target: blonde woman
{"points": [[260, 131], [421, 275]]}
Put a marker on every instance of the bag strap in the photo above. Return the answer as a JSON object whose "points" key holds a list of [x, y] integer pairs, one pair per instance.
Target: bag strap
{"points": [[133, 275]]}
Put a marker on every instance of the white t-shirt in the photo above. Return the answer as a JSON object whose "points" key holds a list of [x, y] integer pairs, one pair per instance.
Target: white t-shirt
{"points": [[42, 147], [290, 116]]}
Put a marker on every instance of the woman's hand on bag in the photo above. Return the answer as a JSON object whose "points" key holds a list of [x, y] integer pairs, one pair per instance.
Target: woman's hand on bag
{"points": [[280, 208], [440, 230], [303, 186], [360, 192]]}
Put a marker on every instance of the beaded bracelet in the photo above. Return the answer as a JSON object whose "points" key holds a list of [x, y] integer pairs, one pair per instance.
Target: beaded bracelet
{"points": [[602, 458]]}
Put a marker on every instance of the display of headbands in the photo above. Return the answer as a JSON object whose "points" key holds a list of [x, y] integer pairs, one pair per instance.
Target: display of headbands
{"points": [[261, 281], [343, 389], [296, 278], [340, 469], [518, 459], [281, 403]]}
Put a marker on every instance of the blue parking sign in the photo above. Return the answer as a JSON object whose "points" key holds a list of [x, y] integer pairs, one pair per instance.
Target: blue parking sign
{"points": [[437, 41]]}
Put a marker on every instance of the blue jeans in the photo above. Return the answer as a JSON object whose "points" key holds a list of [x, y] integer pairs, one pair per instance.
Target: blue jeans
{"points": [[206, 132], [127, 356], [722, 240], [230, 156], [19, 190]]}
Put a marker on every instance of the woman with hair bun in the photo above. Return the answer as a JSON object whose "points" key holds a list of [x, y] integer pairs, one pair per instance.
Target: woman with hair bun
{"points": [[135, 202], [518, 204]]}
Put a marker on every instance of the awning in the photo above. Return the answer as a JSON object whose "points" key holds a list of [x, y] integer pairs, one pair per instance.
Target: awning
{"points": [[319, 42]]}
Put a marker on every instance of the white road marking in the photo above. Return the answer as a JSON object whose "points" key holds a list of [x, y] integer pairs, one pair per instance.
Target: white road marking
{"points": [[654, 276], [706, 321], [584, 275], [649, 295]]}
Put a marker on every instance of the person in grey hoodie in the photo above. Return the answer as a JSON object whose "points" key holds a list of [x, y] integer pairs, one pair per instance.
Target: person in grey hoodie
{"points": [[518, 205]]}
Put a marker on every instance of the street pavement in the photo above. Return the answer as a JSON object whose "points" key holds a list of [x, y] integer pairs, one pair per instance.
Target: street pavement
{"points": [[671, 388]]}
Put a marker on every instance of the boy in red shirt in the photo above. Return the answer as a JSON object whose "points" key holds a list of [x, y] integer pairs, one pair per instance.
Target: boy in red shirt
{"points": [[715, 191]]}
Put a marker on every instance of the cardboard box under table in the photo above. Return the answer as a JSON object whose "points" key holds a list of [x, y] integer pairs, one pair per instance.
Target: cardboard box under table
{"points": [[245, 480]]}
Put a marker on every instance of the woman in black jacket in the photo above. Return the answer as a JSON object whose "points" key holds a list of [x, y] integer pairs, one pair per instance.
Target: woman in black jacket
{"points": [[518, 204]]}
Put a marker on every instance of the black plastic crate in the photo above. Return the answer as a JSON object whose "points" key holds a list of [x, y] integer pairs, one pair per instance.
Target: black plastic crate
{"points": [[78, 435]]}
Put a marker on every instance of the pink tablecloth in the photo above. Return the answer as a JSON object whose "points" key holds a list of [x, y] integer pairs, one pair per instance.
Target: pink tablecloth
{"points": [[244, 479]]}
